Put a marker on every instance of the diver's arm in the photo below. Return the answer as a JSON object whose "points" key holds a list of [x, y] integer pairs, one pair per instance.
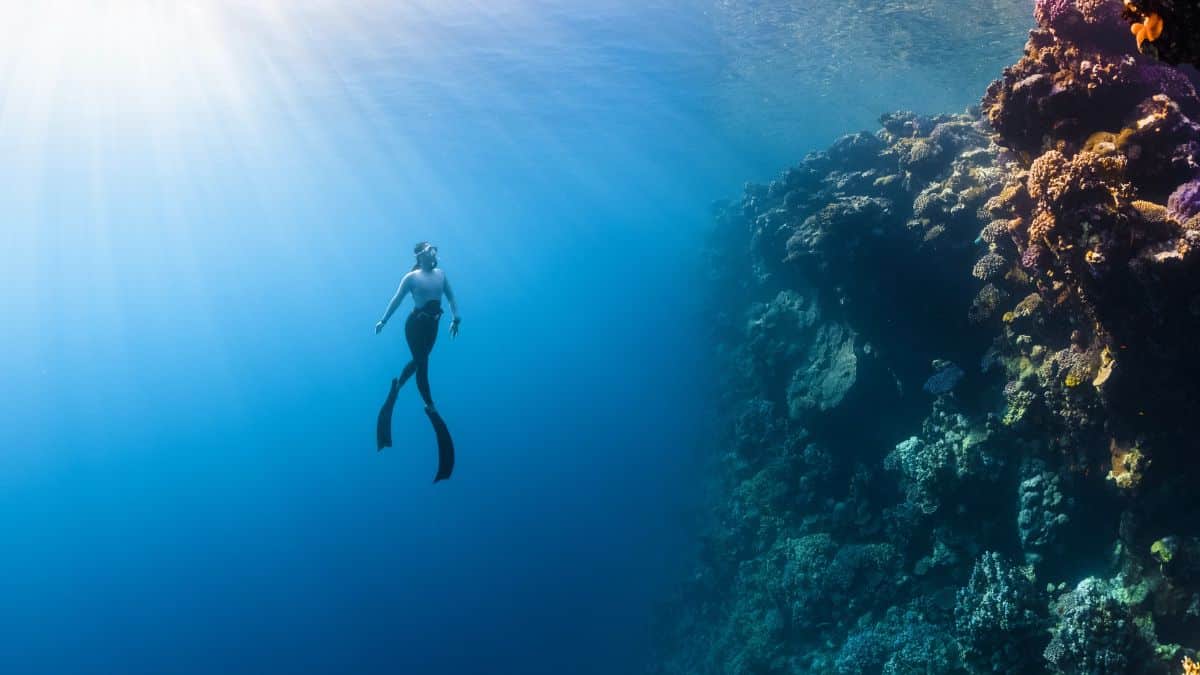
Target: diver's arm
{"points": [[401, 291], [450, 296], [453, 305]]}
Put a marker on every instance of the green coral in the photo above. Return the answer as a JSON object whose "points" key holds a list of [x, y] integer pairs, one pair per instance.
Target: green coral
{"points": [[1018, 406], [1162, 551]]}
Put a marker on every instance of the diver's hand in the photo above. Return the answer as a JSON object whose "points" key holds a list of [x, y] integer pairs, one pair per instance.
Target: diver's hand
{"points": [[454, 327], [379, 326]]}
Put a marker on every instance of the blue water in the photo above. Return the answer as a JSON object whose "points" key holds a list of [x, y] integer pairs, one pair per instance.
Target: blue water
{"points": [[205, 210]]}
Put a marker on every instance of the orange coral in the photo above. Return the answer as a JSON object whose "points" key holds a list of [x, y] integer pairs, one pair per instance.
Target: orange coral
{"points": [[1190, 667], [1149, 29]]}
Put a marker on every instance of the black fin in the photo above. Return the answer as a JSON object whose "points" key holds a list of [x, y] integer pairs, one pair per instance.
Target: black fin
{"points": [[383, 428], [445, 446]]}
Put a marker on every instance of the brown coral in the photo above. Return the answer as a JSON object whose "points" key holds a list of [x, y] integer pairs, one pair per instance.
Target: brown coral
{"points": [[1041, 226], [1013, 199], [1027, 307], [1046, 174]]}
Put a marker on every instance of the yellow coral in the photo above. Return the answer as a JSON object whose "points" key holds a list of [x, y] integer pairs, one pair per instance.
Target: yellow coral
{"points": [[1016, 275], [1006, 203], [1028, 306], [1101, 143], [1149, 211], [1074, 379], [1128, 463], [1107, 363], [1162, 552], [1190, 667]]}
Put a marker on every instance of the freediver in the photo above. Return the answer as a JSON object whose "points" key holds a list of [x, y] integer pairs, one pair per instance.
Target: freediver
{"points": [[427, 284]]}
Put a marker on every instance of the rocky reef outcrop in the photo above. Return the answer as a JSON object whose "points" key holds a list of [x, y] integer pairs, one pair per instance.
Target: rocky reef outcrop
{"points": [[959, 368]]}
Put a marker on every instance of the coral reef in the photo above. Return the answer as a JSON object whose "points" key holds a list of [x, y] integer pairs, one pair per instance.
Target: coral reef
{"points": [[1041, 510], [820, 559], [999, 618], [1032, 514], [1096, 633], [904, 641]]}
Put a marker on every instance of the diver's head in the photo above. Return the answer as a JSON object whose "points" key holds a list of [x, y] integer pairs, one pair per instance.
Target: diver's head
{"points": [[426, 254]]}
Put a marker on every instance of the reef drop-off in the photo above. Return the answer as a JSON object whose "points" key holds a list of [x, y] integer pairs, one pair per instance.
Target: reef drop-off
{"points": [[960, 385]]}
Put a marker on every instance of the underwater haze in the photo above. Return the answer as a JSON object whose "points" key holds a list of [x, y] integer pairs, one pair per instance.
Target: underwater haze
{"points": [[205, 209]]}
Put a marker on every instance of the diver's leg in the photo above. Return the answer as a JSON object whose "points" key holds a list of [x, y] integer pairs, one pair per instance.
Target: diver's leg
{"points": [[421, 333], [423, 382], [420, 342], [444, 441], [409, 369]]}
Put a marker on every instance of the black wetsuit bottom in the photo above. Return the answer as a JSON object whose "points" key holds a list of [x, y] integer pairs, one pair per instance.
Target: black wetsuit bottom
{"points": [[420, 330]]}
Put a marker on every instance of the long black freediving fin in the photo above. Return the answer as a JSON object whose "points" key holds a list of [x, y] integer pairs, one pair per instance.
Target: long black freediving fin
{"points": [[445, 446], [383, 428]]}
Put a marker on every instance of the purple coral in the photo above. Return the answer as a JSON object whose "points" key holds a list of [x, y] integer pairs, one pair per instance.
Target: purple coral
{"points": [[1094, 21], [1184, 202], [1165, 138], [1050, 13], [1033, 257], [1167, 80]]}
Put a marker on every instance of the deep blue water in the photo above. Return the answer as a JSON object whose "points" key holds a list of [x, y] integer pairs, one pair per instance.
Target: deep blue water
{"points": [[206, 209]]}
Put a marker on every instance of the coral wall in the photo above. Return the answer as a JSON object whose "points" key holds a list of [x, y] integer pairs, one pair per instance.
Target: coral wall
{"points": [[961, 385]]}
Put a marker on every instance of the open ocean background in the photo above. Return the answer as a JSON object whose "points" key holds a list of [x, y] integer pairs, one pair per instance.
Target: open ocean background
{"points": [[206, 207]]}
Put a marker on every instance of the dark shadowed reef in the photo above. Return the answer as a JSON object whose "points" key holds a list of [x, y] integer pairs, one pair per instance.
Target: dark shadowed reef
{"points": [[960, 381]]}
